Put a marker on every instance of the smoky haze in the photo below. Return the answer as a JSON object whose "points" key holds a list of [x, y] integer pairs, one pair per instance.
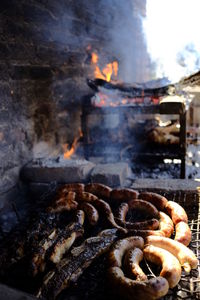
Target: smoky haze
{"points": [[113, 28]]}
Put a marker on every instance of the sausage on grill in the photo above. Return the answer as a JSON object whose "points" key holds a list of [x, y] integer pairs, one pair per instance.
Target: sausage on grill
{"points": [[98, 189], [90, 211], [171, 268], [129, 289], [120, 247], [157, 200], [183, 233], [145, 207], [131, 263], [186, 257], [123, 195], [176, 212]]}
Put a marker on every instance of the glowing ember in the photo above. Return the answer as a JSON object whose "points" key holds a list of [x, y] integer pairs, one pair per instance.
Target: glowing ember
{"points": [[107, 72], [69, 152]]}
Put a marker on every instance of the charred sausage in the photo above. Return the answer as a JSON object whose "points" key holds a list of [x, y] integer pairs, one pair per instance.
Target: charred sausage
{"points": [[129, 289], [120, 247], [91, 212], [131, 262]]}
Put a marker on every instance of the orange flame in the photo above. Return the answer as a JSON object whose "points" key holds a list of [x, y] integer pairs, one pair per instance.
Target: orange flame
{"points": [[108, 70], [69, 152]]}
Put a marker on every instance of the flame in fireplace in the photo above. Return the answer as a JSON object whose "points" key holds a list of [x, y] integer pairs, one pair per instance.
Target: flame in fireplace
{"points": [[107, 72], [68, 152]]}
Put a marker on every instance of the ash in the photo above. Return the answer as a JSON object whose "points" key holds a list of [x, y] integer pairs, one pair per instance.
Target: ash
{"points": [[170, 168], [193, 161]]}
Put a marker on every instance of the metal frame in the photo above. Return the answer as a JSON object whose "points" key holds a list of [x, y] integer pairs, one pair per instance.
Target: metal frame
{"points": [[167, 108]]}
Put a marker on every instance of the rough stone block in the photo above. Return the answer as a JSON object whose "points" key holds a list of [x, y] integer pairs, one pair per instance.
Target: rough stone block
{"points": [[112, 174], [61, 171]]}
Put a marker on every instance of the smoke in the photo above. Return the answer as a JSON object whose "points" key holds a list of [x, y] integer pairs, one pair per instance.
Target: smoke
{"points": [[172, 34], [126, 41]]}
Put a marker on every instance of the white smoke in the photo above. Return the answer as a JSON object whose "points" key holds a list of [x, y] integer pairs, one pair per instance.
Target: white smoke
{"points": [[172, 34]]}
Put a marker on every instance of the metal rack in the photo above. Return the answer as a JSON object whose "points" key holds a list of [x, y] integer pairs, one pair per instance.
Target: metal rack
{"points": [[164, 108]]}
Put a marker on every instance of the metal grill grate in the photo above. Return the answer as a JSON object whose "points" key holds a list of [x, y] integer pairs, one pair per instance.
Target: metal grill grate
{"points": [[189, 285], [92, 284]]}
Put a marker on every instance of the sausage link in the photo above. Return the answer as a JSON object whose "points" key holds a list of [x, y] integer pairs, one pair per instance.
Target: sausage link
{"points": [[85, 196], [91, 212], [144, 233], [98, 189], [123, 195], [129, 289], [157, 200], [65, 203], [105, 208], [166, 225], [120, 247], [121, 219], [121, 213], [131, 262], [176, 212], [171, 268], [144, 206], [183, 233], [71, 187], [186, 257]]}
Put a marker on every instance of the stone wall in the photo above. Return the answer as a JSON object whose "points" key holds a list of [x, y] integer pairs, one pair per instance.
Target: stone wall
{"points": [[45, 48]]}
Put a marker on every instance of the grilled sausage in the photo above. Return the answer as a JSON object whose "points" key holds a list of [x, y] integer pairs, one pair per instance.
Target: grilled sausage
{"points": [[105, 208], [70, 187], [166, 225], [65, 203], [123, 195], [144, 233], [129, 289], [85, 196], [176, 212], [121, 213], [131, 263], [120, 247], [121, 219], [185, 256], [143, 225], [183, 233], [144, 206], [171, 268], [91, 212], [98, 189], [157, 200]]}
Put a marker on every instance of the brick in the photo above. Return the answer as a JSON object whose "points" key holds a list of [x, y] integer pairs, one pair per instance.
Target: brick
{"points": [[112, 174], [63, 171]]}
